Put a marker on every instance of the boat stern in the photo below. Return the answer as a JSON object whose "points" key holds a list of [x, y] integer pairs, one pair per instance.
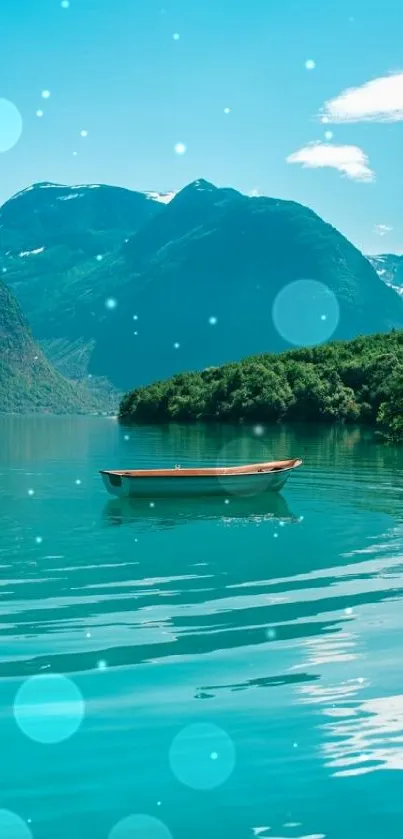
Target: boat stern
{"points": [[113, 483]]}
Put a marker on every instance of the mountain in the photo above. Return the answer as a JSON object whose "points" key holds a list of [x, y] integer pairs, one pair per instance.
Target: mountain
{"points": [[28, 383], [389, 268], [160, 284], [52, 240]]}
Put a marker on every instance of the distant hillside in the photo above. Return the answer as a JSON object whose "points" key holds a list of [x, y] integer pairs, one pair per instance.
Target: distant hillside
{"points": [[136, 287], [389, 268], [352, 381], [52, 241], [28, 383]]}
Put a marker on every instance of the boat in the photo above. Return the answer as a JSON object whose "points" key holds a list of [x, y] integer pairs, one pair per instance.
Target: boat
{"points": [[179, 482]]}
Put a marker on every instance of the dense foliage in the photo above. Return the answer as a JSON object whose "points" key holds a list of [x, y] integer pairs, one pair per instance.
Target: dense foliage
{"points": [[351, 381]]}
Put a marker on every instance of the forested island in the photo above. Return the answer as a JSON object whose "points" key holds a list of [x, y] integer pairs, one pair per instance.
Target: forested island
{"points": [[357, 381]]}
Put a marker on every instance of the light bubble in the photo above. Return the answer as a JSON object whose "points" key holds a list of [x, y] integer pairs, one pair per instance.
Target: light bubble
{"points": [[176, 345], [78, 481], [140, 826], [13, 827], [49, 709], [229, 456], [328, 135], [152, 504], [212, 321], [88, 634], [99, 257], [310, 64], [258, 430], [65, 4], [111, 303], [348, 611], [298, 311], [180, 148], [135, 317], [84, 133], [126, 437], [4, 270], [227, 501], [38, 540], [45, 94], [191, 758], [75, 153], [176, 36], [10, 125], [275, 535], [271, 634], [102, 664], [39, 113], [31, 492], [227, 110]]}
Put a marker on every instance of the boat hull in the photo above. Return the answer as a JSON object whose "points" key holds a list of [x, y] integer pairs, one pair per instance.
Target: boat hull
{"points": [[220, 485]]}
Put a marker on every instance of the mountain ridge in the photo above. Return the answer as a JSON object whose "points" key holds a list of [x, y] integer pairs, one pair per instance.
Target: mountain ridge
{"points": [[148, 287]]}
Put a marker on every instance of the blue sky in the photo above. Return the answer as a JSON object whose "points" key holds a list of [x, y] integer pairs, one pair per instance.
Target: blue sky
{"points": [[114, 70]]}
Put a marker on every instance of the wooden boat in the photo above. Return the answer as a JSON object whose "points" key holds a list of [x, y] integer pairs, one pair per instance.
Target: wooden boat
{"points": [[225, 480]]}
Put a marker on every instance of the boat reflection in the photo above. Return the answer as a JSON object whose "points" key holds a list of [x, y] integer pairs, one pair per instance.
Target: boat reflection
{"points": [[170, 512]]}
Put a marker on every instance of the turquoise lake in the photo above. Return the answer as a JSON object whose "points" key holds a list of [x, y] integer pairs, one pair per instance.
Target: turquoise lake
{"points": [[208, 669]]}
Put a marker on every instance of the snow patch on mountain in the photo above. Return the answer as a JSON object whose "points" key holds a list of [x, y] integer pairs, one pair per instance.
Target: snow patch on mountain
{"points": [[161, 197], [70, 196], [32, 253]]}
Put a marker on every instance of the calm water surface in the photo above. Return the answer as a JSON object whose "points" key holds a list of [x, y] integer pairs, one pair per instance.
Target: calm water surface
{"points": [[224, 669]]}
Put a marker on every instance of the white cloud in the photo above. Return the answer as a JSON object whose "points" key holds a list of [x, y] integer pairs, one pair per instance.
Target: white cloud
{"points": [[380, 100], [350, 160], [381, 229]]}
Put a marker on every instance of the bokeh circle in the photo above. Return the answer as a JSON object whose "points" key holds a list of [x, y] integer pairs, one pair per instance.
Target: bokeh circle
{"points": [[306, 312], [140, 826], [49, 708], [10, 125], [12, 826], [240, 451], [202, 756]]}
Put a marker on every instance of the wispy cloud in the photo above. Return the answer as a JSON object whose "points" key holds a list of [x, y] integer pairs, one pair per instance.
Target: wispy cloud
{"points": [[350, 160], [381, 229], [380, 100]]}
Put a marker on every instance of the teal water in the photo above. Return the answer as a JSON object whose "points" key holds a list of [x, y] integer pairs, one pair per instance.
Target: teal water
{"points": [[207, 669]]}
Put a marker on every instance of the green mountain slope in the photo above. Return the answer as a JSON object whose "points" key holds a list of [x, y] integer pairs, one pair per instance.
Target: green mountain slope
{"points": [[28, 383]]}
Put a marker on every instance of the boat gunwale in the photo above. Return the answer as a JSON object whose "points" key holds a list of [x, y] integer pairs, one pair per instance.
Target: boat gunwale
{"points": [[271, 467]]}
